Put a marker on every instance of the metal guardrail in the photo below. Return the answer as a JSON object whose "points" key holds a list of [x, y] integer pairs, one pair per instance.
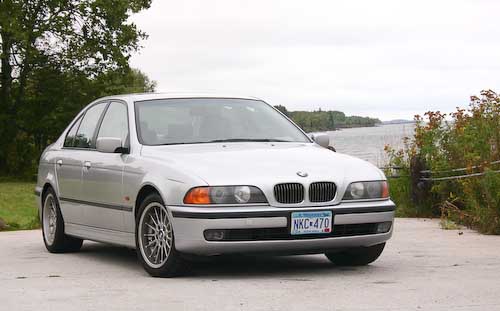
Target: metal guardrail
{"points": [[421, 180], [430, 172], [457, 169], [455, 177]]}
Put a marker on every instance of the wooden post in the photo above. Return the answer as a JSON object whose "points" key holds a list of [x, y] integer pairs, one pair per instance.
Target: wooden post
{"points": [[420, 190]]}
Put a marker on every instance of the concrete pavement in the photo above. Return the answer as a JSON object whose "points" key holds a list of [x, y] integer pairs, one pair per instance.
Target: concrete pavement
{"points": [[422, 268]]}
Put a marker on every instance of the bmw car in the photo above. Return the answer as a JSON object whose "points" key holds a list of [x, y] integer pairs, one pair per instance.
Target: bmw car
{"points": [[177, 176]]}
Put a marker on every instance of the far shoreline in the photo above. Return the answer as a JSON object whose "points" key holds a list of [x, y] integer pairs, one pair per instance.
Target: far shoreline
{"points": [[363, 126]]}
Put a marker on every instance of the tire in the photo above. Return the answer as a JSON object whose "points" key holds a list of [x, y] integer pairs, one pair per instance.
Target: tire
{"points": [[361, 256], [54, 238], [155, 240]]}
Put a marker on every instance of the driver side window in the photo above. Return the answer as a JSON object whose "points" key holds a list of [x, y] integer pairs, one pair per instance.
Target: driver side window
{"points": [[115, 123], [81, 135]]}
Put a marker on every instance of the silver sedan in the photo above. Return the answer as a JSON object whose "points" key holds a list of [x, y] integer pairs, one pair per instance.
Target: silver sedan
{"points": [[173, 175]]}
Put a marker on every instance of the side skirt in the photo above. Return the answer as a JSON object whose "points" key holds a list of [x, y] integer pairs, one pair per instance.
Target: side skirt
{"points": [[121, 238]]}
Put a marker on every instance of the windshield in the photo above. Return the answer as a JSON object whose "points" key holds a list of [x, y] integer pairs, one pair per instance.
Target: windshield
{"points": [[206, 120]]}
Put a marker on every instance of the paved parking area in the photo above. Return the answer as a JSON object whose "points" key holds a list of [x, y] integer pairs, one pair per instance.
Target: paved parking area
{"points": [[422, 268]]}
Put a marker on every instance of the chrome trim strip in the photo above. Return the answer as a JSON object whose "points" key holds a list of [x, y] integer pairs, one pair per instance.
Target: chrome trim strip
{"points": [[222, 205], [365, 200], [222, 215], [115, 207], [348, 219]]}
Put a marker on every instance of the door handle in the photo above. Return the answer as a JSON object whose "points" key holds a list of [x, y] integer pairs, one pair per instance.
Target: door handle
{"points": [[59, 162], [87, 164]]}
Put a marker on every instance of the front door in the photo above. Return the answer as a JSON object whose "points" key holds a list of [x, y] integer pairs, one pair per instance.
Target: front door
{"points": [[103, 173]]}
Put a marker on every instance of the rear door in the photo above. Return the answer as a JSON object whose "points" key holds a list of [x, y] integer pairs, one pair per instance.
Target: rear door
{"points": [[102, 174], [69, 165], [69, 176]]}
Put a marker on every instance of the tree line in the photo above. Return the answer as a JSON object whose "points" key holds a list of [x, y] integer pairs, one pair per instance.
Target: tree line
{"points": [[319, 120], [56, 56]]}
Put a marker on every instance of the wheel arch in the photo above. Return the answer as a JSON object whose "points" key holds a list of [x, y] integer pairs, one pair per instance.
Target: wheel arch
{"points": [[45, 188], [145, 190], [43, 193]]}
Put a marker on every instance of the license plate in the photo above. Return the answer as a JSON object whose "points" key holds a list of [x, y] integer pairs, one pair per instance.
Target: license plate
{"points": [[311, 222]]}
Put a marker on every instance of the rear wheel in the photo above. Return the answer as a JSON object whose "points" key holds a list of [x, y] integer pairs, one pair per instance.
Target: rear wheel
{"points": [[53, 227], [357, 256], [155, 239]]}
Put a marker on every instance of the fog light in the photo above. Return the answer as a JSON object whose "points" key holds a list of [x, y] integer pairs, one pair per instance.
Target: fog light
{"points": [[214, 235], [384, 227]]}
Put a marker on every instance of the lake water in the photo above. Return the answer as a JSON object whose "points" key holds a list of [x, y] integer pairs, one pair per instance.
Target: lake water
{"points": [[368, 143]]}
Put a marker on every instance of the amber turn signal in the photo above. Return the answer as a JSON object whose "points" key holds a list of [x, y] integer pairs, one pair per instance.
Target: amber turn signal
{"points": [[385, 190], [199, 195]]}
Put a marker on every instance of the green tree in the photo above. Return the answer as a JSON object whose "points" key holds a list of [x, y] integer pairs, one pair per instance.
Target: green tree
{"points": [[53, 98], [316, 121], [51, 46], [123, 81], [283, 110]]}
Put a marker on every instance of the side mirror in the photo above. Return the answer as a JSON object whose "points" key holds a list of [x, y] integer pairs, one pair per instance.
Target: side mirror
{"points": [[322, 139], [109, 145]]}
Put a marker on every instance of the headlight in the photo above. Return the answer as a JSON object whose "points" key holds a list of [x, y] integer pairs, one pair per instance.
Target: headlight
{"points": [[224, 195], [242, 194], [367, 190]]}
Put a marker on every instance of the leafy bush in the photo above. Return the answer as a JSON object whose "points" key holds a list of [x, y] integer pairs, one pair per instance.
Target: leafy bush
{"points": [[465, 142]]}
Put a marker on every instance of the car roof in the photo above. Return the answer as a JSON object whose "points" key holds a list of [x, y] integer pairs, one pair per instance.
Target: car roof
{"points": [[169, 95]]}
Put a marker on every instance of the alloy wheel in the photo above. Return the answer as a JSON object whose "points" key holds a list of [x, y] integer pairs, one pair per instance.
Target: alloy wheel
{"points": [[49, 219], [155, 235]]}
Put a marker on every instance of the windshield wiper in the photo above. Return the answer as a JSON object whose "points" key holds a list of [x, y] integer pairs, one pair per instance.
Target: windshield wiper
{"points": [[230, 140], [183, 143]]}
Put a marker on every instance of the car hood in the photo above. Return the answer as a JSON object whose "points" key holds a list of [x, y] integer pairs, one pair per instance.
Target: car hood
{"points": [[259, 163]]}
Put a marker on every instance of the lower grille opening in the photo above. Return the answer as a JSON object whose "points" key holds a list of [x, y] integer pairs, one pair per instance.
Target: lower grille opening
{"points": [[268, 234]]}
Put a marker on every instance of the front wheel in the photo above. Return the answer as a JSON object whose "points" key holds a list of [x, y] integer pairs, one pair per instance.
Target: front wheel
{"points": [[357, 256], [155, 239]]}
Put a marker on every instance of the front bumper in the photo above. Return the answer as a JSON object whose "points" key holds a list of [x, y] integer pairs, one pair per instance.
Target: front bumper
{"points": [[190, 223]]}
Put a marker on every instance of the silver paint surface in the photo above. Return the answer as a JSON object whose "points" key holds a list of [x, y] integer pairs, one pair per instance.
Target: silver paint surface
{"points": [[109, 179]]}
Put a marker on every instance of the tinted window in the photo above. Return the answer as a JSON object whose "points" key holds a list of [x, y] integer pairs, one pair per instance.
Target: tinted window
{"points": [[115, 122], [205, 120], [85, 135], [70, 137]]}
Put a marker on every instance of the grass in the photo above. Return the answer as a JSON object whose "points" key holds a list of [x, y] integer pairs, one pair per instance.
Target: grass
{"points": [[400, 192], [448, 224], [18, 205]]}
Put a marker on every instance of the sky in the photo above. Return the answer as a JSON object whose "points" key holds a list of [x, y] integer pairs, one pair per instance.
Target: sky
{"points": [[388, 59]]}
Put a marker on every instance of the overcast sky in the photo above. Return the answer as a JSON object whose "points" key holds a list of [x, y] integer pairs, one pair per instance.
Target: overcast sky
{"points": [[387, 59]]}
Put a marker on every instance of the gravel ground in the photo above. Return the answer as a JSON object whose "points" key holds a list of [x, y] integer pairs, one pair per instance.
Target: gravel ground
{"points": [[422, 268]]}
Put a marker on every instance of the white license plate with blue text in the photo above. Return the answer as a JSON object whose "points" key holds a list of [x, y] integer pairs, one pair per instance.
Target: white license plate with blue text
{"points": [[311, 222]]}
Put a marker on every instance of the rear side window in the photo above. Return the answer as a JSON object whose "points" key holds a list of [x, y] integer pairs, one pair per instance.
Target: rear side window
{"points": [[70, 137], [85, 135]]}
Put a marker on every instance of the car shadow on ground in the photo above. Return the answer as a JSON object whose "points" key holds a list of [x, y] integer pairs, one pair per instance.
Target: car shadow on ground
{"points": [[293, 268], [109, 254]]}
